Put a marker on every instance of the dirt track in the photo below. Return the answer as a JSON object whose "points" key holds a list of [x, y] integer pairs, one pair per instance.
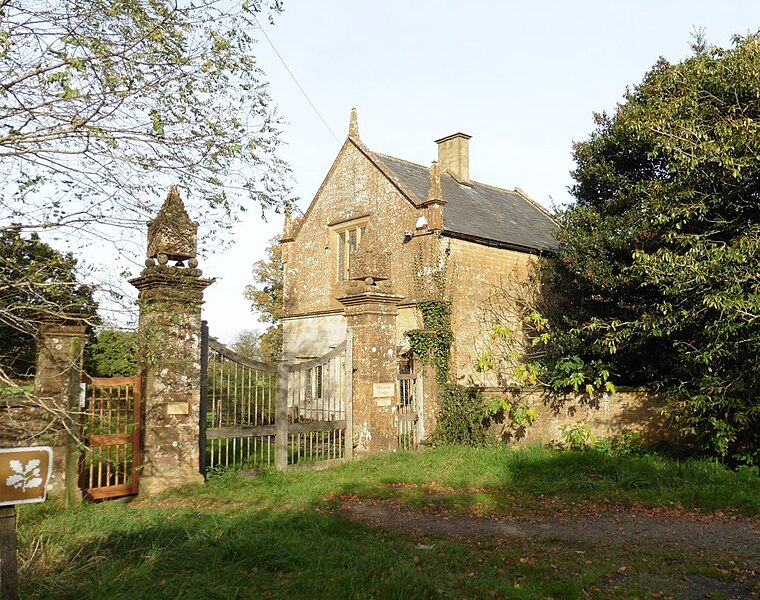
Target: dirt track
{"points": [[629, 529], [734, 535]]}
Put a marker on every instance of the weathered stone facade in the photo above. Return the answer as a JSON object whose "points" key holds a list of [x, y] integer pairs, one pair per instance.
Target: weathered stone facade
{"points": [[50, 414], [52, 417], [371, 317], [403, 207], [478, 272]]}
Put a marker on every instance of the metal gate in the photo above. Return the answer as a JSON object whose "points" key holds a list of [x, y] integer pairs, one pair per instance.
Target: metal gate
{"points": [[238, 409], [254, 415], [317, 408], [409, 410], [109, 465]]}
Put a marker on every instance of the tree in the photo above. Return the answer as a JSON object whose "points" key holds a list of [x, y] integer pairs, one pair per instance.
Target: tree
{"points": [[112, 354], [37, 284], [267, 299], [658, 254], [247, 344], [102, 102]]}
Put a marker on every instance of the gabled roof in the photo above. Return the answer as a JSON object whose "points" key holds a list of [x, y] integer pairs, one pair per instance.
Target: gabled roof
{"points": [[472, 210], [480, 212]]}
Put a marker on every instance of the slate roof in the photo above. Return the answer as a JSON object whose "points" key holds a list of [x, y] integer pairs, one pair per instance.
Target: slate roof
{"points": [[478, 211]]}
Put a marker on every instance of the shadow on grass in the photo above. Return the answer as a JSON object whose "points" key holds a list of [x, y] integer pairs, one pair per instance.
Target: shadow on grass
{"points": [[148, 553], [649, 479], [275, 536], [220, 554]]}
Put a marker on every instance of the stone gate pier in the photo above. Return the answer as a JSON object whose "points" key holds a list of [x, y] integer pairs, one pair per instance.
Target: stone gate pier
{"points": [[170, 297]]}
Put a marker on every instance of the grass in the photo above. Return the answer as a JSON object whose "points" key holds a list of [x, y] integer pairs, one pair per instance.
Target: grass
{"points": [[280, 535]]}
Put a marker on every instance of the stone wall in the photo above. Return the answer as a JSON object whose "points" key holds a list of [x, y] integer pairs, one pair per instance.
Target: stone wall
{"points": [[23, 422], [353, 191], [42, 418], [312, 336], [607, 415]]}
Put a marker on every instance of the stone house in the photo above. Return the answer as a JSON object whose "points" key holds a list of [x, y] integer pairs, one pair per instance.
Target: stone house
{"points": [[386, 234]]}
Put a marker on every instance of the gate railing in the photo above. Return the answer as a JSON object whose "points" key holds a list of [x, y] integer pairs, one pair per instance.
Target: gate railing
{"points": [[109, 466], [238, 409], [254, 415], [408, 411], [314, 418]]}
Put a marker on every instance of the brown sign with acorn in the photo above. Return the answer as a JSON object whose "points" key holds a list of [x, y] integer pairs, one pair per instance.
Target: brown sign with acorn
{"points": [[24, 474]]}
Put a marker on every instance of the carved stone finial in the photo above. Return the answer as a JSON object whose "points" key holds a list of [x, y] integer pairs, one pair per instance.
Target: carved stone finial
{"points": [[370, 261], [431, 216], [353, 125], [434, 188], [172, 235]]}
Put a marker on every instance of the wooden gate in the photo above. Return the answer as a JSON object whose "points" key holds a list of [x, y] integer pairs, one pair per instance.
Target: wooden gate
{"points": [[255, 415], [109, 465]]}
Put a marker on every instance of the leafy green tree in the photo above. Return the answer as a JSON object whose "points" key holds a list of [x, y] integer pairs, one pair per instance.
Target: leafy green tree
{"points": [[247, 344], [37, 284], [112, 354], [101, 102], [267, 299], [658, 255]]}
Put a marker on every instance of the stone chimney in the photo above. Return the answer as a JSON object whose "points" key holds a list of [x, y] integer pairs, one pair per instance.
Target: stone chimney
{"points": [[454, 155]]}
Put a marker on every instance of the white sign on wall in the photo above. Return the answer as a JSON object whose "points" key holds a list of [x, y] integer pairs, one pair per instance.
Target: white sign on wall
{"points": [[384, 390]]}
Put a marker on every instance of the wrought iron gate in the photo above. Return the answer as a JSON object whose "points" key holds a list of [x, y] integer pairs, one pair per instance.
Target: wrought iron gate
{"points": [[316, 406], [254, 415], [238, 409], [409, 410], [109, 465]]}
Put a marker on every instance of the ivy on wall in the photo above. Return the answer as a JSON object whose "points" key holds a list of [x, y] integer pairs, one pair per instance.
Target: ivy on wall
{"points": [[432, 343], [464, 416]]}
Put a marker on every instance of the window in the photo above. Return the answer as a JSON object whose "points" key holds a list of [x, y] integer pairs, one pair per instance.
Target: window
{"points": [[348, 240]]}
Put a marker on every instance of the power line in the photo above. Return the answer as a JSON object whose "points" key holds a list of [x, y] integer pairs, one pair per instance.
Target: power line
{"points": [[305, 95]]}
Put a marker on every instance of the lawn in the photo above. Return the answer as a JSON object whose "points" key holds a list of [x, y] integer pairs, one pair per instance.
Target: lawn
{"points": [[283, 535]]}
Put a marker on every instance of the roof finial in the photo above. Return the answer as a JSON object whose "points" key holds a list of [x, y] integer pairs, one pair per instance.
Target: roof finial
{"points": [[434, 188], [288, 220], [353, 125]]}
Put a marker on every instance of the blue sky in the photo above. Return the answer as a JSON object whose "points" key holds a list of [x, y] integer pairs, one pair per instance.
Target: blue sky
{"points": [[523, 79]]}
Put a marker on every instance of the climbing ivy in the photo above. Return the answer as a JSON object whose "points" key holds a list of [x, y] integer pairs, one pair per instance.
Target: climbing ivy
{"points": [[432, 343]]}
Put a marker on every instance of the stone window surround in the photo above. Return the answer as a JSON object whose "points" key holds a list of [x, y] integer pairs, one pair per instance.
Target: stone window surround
{"points": [[341, 234]]}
